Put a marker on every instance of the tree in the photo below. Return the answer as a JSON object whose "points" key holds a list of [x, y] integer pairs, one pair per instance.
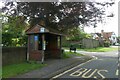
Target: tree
{"points": [[60, 16], [76, 34], [13, 31]]}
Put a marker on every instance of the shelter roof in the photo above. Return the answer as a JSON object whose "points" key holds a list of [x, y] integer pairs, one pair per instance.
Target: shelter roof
{"points": [[42, 29]]}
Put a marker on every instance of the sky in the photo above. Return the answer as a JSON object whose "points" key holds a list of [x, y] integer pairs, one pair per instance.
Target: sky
{"points": [[111, 23]]}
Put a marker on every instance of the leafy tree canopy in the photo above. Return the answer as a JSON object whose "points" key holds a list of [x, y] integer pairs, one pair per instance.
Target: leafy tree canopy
{"points": [[76, 34], [61, 16], [13, 31]]}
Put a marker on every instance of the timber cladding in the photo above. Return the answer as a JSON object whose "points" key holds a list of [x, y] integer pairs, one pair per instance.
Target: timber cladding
{"points": [[13, 55]]}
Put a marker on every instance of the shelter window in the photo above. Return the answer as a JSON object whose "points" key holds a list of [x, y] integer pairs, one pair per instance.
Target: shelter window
{"points": [[40, 43], [33, 42], [36, 42]]}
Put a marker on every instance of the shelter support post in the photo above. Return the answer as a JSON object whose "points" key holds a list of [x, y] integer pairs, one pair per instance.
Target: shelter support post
{"points": [[61, 51], [43, 47], [28, 48], [60, 42]]}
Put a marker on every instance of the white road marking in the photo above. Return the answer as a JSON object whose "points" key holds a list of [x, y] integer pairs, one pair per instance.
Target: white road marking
{"points": [[71, 69], [94, 57], [117, 71], [95, 77], [78, 72], [101, 74], [84, 75]]}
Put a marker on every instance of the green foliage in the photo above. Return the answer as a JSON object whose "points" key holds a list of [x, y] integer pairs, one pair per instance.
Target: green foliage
{"points": [[65, 43], [65, 55], [106, 44], [16, 69], [7, 39], [59, 15], [76, 45], [70, 54], [62, 16], [100, 49], [13, 32], [76, 34]]}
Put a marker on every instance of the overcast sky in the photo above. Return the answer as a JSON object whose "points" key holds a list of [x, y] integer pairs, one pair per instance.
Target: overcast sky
{"points": [[111, 23]]}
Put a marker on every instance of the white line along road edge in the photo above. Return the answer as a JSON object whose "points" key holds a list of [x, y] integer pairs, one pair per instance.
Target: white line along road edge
{"points": [[94, 58]]}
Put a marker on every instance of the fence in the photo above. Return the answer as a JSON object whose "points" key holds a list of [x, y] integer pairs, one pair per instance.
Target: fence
{"points": [[90, 43], [84, 43], [13, 55]]}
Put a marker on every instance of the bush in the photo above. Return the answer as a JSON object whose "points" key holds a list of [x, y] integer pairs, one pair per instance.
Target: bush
{"points": [[106, 44], [66, 44], [9, 39], [65, 55], [76, 45]]}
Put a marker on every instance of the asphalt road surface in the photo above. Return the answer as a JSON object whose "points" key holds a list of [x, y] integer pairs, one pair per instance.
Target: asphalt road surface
{"points": [[104, 65]]}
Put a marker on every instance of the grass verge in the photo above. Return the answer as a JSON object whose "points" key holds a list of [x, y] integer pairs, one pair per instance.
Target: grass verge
{"points": [[70, 54], [99, 49], [0, 72], [16, 69]]}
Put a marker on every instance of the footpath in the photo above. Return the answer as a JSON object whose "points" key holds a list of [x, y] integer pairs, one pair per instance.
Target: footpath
{"points": [[55, 66]]}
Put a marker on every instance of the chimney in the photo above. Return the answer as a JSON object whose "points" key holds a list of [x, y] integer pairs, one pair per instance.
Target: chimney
{"points": [[102, 31]]}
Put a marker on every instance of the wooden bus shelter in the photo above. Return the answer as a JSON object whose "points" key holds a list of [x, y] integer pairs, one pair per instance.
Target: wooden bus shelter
{"points": [[43, 43]]}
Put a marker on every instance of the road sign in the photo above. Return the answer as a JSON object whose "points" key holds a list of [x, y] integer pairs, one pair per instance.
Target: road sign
{"points": [[36, 38], [42, 29]]}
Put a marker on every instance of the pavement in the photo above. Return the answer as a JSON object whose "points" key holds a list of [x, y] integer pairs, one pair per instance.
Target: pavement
{"points": [[55, 66]]}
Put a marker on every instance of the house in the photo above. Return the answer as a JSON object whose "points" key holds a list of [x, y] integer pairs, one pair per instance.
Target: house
{"points": [[105, 36]]}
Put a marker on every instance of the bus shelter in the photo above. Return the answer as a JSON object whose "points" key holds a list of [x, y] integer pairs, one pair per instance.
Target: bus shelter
{"points": [[43, 43]]}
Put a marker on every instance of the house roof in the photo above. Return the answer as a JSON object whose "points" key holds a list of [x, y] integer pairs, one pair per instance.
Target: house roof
{"points": [[104, 34], [42, 29], [96, 34], [107, 34]]}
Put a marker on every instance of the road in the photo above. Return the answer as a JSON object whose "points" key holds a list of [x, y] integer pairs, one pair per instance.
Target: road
{"points": [[104, 65]]}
